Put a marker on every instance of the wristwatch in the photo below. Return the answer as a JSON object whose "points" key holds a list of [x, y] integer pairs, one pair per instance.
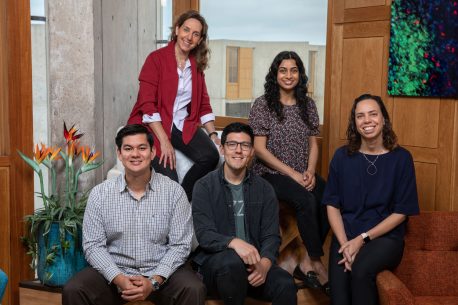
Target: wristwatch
{"points": [[155, 284], [212, 133], [366, 237]]}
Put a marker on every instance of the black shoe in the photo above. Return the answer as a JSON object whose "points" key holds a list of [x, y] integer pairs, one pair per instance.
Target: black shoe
{"points": [[309, 280], [326, 289]]}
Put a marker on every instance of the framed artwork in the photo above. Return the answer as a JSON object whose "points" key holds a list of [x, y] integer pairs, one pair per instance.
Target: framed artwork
{"points": [[423, 59]]}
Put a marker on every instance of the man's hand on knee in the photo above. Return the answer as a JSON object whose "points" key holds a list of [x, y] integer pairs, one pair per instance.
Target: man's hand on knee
{"points": [[123, 282], [248, 253], [142, 288], [258, 272]]}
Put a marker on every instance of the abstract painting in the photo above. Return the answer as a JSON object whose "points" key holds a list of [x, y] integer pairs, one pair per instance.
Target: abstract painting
{"points": [[423, 57]]}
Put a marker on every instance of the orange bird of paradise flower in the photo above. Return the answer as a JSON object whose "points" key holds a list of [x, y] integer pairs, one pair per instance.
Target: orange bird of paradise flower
{"points": [[71, 135], [54, 153], [73, 149], [89, 155], [41, 153]]}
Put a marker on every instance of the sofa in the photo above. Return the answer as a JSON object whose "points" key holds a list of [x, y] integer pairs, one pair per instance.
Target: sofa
{"points": [[428, 272]]}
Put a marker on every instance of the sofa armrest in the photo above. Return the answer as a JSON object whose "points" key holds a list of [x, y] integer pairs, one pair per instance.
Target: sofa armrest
{"points": [[392, 291]]}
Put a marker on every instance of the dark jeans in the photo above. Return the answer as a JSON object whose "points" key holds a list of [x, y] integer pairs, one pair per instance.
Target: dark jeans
{"points": [[200, 150], [89, 287], [358, 287], [225, 276], [312, 220]]}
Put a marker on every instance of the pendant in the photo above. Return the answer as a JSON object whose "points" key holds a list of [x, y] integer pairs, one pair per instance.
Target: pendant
{"points": [[371, 169]]}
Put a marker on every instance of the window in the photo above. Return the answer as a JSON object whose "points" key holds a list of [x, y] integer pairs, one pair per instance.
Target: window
{"points": [[243, 45], [164, 22], [39, 83], [232, 65]]}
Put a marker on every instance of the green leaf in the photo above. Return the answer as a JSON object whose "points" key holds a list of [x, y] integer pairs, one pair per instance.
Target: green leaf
{"points": [[33, 164], [90, 166]]}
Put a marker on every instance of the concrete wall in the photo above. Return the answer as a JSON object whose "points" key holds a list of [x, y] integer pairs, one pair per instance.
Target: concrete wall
{"points": [[96, 50], [263, 54], [129, 35], [71, 71], [89, 55]]}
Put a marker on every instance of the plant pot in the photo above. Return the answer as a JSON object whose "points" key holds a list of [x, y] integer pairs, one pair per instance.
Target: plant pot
{"points": [[57, 264]]}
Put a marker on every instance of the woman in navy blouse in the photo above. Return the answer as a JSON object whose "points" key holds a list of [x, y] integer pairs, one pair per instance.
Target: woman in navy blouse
{"points": [[371, 190]]}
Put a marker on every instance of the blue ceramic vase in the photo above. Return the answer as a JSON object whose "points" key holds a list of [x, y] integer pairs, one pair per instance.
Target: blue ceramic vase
{"points": [[66, 261]]}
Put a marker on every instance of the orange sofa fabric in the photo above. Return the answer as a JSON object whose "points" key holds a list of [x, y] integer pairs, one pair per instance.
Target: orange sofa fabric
{"points": [[428, 273]]}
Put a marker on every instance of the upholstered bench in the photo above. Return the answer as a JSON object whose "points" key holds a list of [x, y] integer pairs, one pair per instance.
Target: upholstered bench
{"points": [[428, 272]]}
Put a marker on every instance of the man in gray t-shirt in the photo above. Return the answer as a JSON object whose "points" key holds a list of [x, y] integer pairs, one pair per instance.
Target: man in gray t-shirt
{"points": [[236, 222], [239, 209]]}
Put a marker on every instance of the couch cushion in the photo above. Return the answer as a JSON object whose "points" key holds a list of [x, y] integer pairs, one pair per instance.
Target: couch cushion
{"points": [[432, 273], [436, 300], [436, 231]]}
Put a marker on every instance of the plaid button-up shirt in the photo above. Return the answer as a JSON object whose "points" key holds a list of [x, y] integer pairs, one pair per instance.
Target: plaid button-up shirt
{"points": [[150, 236]]}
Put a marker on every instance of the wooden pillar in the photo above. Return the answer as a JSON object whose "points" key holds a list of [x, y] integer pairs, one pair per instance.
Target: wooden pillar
{"points": [[181, 6], [16, 133]]}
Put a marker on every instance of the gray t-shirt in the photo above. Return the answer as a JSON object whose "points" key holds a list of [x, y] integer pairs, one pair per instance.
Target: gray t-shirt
{"points": [[238, 205]]}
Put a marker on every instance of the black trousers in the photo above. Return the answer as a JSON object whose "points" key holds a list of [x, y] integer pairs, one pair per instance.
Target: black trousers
{"points": [[200, 150], [358, 287], [89, 287], [312, 220], [225, 276]]}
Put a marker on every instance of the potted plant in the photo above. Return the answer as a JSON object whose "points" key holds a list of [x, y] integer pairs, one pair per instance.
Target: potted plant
{"points": [[54, 236]]}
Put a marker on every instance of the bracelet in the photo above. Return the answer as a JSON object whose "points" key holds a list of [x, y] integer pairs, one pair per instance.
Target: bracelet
{"points": [[212, 133]]}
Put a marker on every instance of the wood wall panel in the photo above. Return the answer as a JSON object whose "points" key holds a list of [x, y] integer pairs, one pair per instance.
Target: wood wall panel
{"points": [[419, 121], [362, 68], [357, 59], [4, 136], [454, 177], [5, 225], [366, 29], [367, 14], [426, 182], [445, 153], [363, 3], [332, 97]]}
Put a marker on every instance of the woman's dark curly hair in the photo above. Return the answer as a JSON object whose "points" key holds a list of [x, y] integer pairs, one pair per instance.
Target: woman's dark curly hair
{"points": [[390, 140], [201, 52], [272, 89]]}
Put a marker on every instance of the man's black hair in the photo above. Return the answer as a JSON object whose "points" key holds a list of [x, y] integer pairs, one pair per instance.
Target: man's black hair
{"points": [[133, 129], [237, 127]]}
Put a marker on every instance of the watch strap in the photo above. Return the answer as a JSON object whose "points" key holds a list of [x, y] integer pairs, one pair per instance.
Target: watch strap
{"points": [[155, 284], [366, 237]]}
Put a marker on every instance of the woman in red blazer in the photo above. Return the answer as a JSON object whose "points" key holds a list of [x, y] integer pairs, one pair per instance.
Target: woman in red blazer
{"points": [[173, 101]]}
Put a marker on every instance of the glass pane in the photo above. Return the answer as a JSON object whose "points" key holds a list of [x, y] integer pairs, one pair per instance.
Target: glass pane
{"points": [[233, 60], [39, 86], [165, 16], [261, 29], [37, 8]]}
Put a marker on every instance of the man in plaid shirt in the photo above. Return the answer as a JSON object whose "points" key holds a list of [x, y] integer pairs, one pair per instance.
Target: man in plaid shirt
{"points": [[137, 234]]}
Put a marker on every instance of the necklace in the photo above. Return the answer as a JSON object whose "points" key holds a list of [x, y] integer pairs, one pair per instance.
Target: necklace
{"points": [[371, 168], [180, 64]]}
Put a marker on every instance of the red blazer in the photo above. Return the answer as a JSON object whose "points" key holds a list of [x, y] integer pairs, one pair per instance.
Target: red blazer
{"points": [[158, 89]]}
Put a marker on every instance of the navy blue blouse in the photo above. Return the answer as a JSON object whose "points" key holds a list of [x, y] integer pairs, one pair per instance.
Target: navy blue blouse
{"points": [[365, 200]]}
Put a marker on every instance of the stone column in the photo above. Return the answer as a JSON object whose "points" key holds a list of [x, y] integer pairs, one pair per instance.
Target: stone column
{"points": [[71, 72]]}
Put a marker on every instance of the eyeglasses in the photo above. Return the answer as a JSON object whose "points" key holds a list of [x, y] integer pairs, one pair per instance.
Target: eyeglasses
{"points": [[232, 145]]}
